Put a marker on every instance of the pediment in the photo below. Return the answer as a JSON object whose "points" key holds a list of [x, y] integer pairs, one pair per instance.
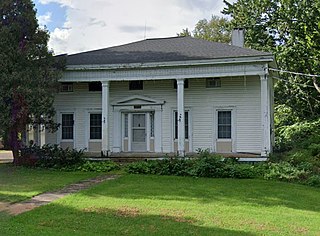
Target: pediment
{"points": [[137, 100]]}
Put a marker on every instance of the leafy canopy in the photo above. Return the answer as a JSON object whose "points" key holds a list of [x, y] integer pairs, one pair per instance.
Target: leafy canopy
{"points": [[291, 30], [217, 29], [28, 70]]}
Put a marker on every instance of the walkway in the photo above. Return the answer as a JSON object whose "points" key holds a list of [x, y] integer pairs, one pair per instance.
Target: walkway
{"points": [[47, 197]]}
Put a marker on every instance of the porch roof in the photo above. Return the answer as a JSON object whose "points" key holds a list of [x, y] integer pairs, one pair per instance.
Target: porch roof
{"points": [[162, 50]]}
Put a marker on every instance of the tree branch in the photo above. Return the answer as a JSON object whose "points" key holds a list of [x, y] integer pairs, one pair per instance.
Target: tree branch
{"points": [[315, 84]]}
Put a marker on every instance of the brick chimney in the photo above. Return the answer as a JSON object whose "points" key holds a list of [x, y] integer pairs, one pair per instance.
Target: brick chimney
{"points": [[237, 37]]}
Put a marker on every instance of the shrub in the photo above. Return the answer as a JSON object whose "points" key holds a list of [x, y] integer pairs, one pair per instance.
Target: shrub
{"points": [[206, 165], [98, 166], [52, 156], [285, 171], [314, 181]]}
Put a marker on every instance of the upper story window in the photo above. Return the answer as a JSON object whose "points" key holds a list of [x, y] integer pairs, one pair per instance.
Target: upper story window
{"points": [[136, 85], [95, 86], [66, 87], [186, 84], [213, 82]]}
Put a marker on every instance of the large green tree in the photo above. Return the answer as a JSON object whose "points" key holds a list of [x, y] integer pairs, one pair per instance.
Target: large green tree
{"points": [[291, 30], [28, 72], [217, 29]]}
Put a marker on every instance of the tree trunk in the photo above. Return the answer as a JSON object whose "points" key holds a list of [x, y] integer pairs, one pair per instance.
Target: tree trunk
{"points": [[14, 144]]}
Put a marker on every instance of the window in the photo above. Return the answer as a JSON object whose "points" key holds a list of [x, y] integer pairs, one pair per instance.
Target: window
{"points": [[66, 87], [136, 85], [186, 84], [224, 124], [126, 118], [67, 126], [95, 86], [213, 82], [186, 125], [152, 124], [95, 126]]}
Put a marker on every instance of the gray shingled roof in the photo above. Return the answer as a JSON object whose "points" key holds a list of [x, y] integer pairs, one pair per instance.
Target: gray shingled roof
{"points": [[161, 50]]}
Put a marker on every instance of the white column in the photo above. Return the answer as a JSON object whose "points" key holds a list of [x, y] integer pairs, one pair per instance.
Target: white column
{"points": [[181, 125], [105, 117], [265, 116], [42, 135]]}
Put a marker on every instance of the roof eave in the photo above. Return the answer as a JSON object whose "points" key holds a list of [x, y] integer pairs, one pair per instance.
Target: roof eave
{"points": [[233, 60]]}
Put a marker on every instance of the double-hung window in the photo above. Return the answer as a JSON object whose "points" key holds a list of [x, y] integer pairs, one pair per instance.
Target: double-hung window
{"points": [[67, 126], [186, 124], [224, 124], [95, 126]]}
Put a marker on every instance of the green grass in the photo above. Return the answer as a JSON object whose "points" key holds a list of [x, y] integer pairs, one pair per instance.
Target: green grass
{"points": [[167, 205], [17, 183]]}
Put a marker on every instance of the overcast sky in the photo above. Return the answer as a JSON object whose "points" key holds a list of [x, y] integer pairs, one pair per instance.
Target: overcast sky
{"points": [[82, 25]]}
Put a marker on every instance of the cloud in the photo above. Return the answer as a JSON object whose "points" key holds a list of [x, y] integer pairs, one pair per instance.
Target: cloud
{"points": [[45, 19], [98, 24], [67, 3], [95, 21], [135, 29]]}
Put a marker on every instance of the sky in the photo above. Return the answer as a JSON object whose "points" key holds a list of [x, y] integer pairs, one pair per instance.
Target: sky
{"points": [[83, 25]]}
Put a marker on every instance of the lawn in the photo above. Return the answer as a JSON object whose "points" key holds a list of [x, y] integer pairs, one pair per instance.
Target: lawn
{"points": [[167, 205], [17, 183]]}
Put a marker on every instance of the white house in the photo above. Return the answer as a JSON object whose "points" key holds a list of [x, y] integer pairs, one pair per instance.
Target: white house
{"points": [[166, 95]]}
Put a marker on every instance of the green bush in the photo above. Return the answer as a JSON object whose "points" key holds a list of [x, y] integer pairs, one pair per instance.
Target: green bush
{"points": [[52, 156], [206, 165], [98, 166], [313, 180], [285, 171]]}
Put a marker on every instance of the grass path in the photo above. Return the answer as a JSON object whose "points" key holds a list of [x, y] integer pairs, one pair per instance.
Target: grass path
{"points": [[166, 205]]}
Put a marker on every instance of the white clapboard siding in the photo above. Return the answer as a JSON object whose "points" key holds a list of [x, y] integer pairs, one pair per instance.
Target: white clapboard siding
{"points": [[242, 93]]}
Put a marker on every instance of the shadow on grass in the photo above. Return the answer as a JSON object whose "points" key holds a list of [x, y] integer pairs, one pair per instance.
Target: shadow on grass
{"points": [[204, 190], [61, 220]]}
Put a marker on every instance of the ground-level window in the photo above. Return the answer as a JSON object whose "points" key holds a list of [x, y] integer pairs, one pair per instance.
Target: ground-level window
{"points": [[186, 124], [67, 126], [95, 126], [224, 124]]}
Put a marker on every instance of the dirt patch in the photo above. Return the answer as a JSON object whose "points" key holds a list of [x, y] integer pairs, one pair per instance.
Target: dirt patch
{"points": [[128, 211]]}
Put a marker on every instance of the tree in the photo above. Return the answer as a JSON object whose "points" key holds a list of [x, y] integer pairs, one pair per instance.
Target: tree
{"points": [[291, 30], [217, 29], [28, 72]]}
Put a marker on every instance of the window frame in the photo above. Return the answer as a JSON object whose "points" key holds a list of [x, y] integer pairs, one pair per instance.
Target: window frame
{"points": [[229, 126], [136, 85], [90, 126], [62, 127], [187, 121], [68, 85], [217, 83]]}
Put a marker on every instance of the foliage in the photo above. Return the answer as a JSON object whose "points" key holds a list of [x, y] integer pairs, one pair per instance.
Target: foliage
{"points": [[285, 171], [53, 156], [291, 30], [298, 135], [206, 165], [28, 72], [97, 166], [217, 29]]}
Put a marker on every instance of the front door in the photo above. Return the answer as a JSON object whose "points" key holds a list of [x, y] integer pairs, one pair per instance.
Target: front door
{"points": [[139, 133]]}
